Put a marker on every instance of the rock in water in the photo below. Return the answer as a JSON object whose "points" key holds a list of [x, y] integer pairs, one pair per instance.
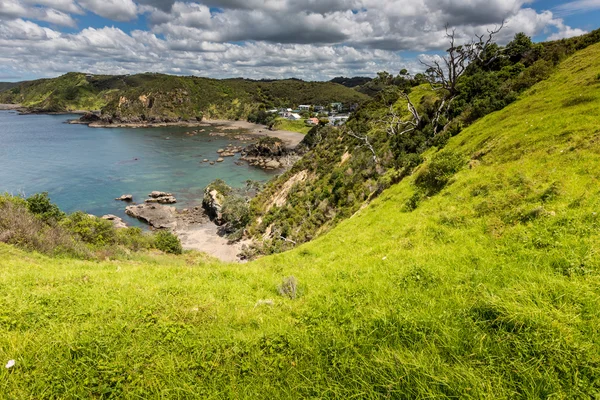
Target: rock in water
{"points": [[156, 194], [125, 197], [161, 198]]}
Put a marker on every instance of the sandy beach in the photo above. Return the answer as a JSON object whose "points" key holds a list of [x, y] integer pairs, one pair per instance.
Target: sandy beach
{"points": [[291, 139], [4, 107], [205, 238]]}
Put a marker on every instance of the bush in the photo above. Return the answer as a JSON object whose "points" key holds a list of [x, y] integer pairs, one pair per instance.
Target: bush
{"points": [[40, 205], [23, 229], [236, 215], [168, 242], [433, 177], [134, 239], [89, 229]]}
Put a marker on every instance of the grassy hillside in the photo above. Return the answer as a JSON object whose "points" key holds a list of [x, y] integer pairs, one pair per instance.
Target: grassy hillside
{"points": [[163, 97], [476, 283]]}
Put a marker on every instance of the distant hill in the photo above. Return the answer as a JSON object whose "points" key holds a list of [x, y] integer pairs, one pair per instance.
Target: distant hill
{"points": [[162, 97], [351, 82], [7, 85]]}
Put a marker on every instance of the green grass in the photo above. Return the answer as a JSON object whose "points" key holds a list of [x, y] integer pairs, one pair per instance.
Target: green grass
{"points": [[293, 126], [487, 289]]}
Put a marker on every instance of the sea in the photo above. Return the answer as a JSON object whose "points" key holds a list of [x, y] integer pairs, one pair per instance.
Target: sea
{"points": [[85, 168]]}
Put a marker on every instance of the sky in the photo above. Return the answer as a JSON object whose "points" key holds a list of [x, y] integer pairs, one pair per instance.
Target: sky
{"points": [[309, 39]]}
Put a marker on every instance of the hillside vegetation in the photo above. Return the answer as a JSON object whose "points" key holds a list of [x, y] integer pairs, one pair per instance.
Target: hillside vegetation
{"points": [[344, 168], [476, 277], [158, 97]]}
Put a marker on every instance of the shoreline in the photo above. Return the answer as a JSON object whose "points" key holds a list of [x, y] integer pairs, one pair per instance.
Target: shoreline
{"points": [[290, 139], [8, 107]]}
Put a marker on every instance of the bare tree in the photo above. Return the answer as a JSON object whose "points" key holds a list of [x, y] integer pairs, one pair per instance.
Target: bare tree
{"points": [[445, 72], [443, 75], [364, 138]]}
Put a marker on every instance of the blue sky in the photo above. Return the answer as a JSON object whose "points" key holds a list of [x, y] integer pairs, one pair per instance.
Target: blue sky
{"points": [[311, 39]]}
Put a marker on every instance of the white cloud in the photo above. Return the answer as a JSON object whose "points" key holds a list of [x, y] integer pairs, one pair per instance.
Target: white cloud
{"points": [[575, 7], [117, 10], [313, 39], [564, 31]]}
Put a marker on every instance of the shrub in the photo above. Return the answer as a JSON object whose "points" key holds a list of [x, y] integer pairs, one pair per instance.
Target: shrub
{"points": [[40, 205], [134, 239], [168, 242], [236, 215], [21, 228], [433, 177], [89, 229]]}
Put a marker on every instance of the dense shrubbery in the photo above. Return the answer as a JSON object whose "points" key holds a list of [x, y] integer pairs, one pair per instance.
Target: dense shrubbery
{"points": [[37, 224], [168, 242]]}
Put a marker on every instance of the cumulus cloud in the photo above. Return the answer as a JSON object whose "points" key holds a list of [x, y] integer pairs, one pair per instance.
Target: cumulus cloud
{"points": [[313, 39], [564, 31], [117, 10]]}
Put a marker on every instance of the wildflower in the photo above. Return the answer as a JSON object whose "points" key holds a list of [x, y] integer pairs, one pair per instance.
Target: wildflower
{"points": [[10, 364]]}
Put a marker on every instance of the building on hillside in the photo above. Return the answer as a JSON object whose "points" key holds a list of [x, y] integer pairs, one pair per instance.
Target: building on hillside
{"points": [[318, 108], [336, 107], [312, 121], [338, 120], [304, 107], [273, 111], [294, 117]]}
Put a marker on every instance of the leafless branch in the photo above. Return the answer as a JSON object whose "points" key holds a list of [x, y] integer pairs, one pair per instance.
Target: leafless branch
{"points": [[365, 139]]}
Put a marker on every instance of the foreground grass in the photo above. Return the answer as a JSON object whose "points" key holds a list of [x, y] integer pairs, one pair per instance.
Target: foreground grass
{"points": [[488, 289]]}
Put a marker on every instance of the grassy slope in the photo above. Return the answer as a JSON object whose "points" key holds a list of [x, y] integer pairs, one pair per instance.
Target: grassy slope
{"points": [[294, 126], [487, 290]]}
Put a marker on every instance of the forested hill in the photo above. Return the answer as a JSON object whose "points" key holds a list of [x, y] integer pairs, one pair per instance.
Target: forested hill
{"points": [[166, 97], [7, 85]]}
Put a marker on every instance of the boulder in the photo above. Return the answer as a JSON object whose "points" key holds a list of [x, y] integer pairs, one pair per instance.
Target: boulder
{"points": [[220, 159], [272, 164], [162, 200], [155, 215], [117, 222], [156, 194], [125, 197]]}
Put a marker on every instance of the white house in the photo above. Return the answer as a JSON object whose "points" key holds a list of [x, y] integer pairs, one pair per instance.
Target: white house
{"points": [[294, 117], [304, 107]]}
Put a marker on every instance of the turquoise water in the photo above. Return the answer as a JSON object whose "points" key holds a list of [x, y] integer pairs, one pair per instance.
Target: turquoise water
{"points": [[86, 168]]}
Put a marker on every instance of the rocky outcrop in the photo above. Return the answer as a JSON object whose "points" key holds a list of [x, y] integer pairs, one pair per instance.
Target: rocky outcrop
{"points": [[117, 222], [268, 153], [213, 204], [230, 151], [155, 215], [160, 216], [125, 197], [161, 198]]}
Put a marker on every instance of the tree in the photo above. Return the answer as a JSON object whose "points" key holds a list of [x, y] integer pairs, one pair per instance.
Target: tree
{"points": [[443, 74]]}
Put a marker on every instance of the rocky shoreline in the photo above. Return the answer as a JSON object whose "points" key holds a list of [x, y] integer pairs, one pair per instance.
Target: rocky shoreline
{"points": [[193, 226]]}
